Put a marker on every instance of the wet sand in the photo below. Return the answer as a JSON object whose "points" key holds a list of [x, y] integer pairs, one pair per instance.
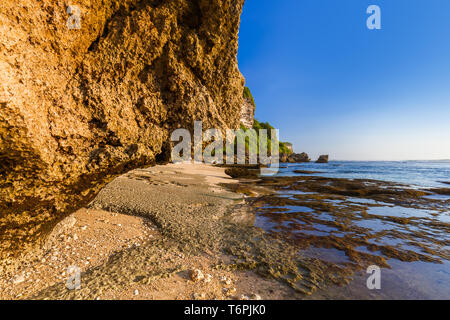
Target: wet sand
{"points": [[141, 238]]}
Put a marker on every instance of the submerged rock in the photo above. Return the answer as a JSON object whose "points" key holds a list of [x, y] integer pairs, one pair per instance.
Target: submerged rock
{"points": [[79, 107], [306, 172], [442, 191]]}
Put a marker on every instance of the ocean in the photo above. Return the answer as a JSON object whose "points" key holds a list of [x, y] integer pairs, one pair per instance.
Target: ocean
{"points": [[417, 174]]}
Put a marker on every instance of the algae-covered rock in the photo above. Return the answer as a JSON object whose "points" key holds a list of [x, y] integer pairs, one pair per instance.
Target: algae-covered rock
{"points": [[79, 106], [242, 173], [442, 191]]}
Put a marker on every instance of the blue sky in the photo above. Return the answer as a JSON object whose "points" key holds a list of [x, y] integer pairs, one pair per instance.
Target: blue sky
{"points": [[332, 86]]}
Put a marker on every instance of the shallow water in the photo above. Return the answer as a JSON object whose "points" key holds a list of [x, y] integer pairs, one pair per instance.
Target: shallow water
{"points": [[413, 241], [414, 280], [414, 173]]}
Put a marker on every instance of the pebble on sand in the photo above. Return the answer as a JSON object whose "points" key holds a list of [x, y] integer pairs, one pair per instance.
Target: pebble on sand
{"points": [[229, 291], [199, 296], [226, 281], [255, 296], [197, 275], [208, 278]]}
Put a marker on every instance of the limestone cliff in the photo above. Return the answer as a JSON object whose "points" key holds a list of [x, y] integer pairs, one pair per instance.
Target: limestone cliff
{"points": [[79, 106], [247, 113], [248, 109]]}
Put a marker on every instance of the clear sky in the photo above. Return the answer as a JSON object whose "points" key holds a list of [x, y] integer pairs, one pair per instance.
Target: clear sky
{"points": [[332, 86]]}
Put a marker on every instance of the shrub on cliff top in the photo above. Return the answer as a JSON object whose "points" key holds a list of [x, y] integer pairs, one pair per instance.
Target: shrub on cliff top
{"points": [[248, 95], [284, 149], [265, 125]]}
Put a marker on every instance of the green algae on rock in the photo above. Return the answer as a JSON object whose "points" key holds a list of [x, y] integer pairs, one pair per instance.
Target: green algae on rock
{"points": [[336, 214]]}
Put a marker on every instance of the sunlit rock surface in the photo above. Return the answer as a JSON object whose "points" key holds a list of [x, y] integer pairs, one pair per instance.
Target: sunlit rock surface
{"points": [[79, 106]]}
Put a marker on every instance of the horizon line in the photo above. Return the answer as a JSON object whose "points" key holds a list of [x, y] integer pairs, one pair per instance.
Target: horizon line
{"points": [[391, 160]]}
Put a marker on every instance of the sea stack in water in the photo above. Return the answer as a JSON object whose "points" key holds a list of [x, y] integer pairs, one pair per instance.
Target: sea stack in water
{"points": [[295, 157], [322, 159]]}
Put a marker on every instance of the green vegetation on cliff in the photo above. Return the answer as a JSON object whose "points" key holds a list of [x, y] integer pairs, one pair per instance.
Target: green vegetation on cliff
{"points": [[248, 95], [283, 149]]}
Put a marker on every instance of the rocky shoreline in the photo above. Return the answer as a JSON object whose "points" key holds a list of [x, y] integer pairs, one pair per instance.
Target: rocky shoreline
{"points": [[301, 158], [188, 232], [355, 223], [142, 238]]}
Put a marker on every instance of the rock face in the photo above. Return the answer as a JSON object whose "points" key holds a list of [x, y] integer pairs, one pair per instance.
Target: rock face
{"points": [[289, 146], [295, 158], [79, 106], [322, 159], [247, 113]]}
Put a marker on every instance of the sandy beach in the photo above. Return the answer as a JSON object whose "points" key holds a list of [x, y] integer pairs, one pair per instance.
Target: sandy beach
{"points": [[142, 238], [190, 231]]}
